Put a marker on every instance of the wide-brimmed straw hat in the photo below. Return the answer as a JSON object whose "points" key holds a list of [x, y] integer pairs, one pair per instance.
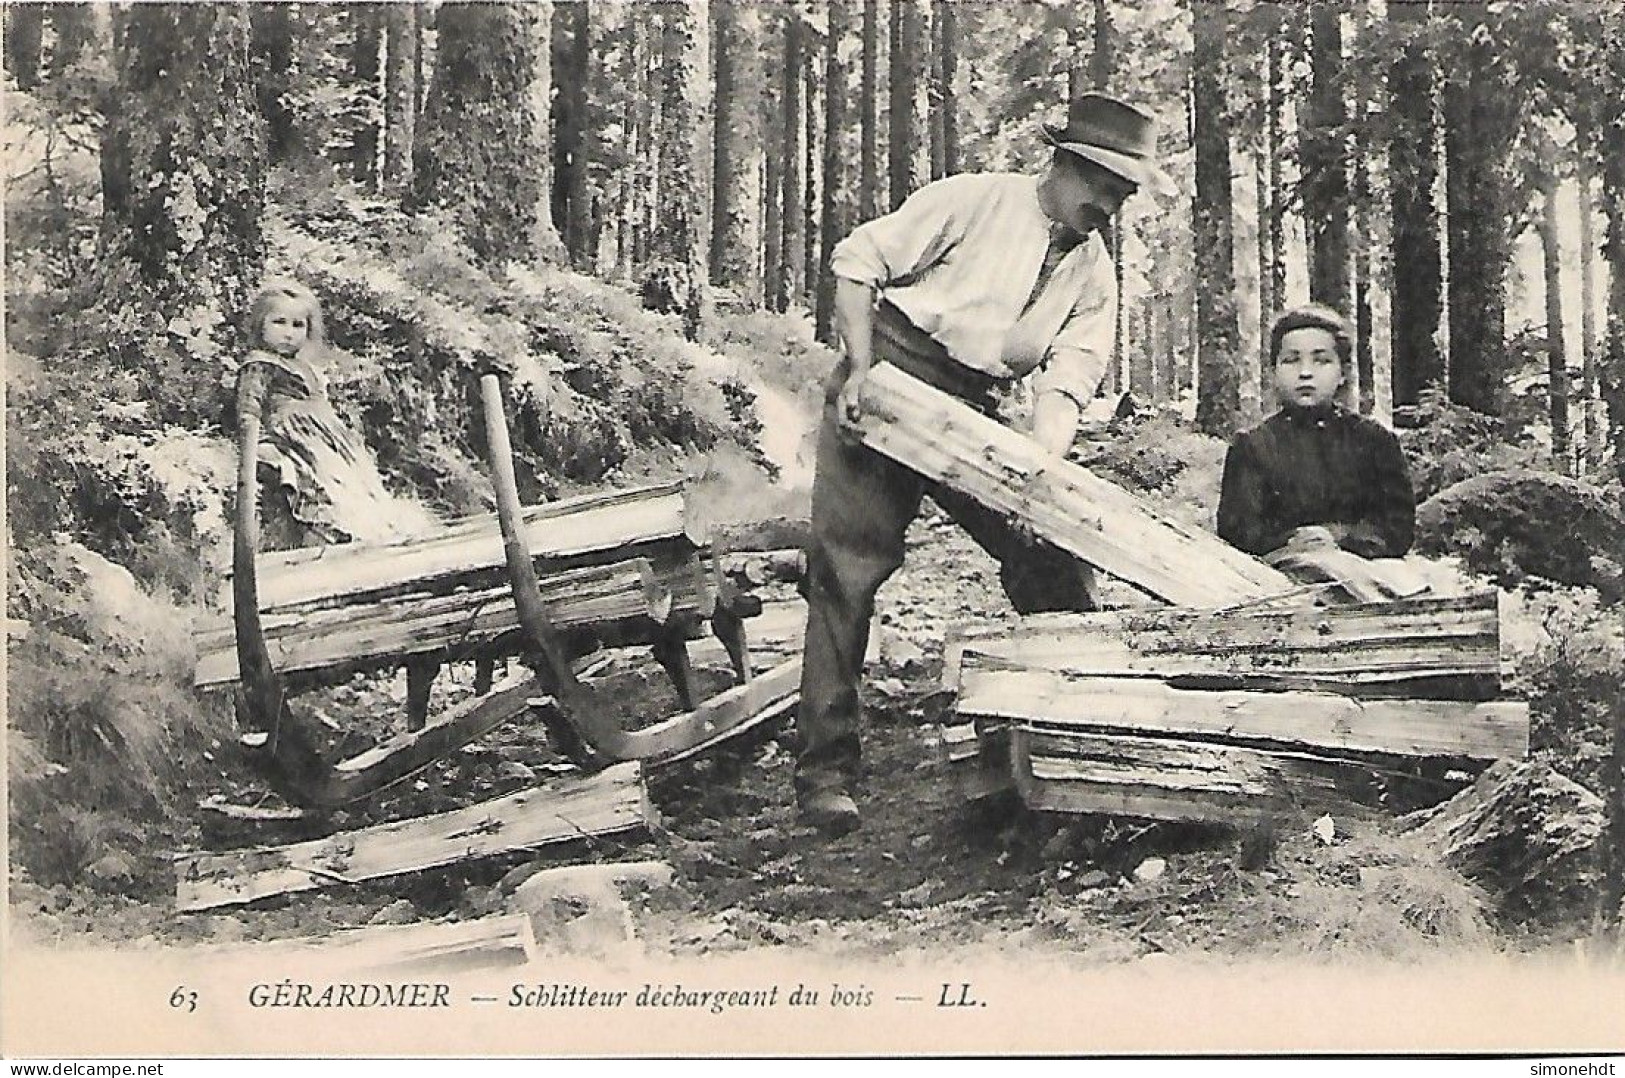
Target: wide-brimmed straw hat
{"points": [[1113, 134]]}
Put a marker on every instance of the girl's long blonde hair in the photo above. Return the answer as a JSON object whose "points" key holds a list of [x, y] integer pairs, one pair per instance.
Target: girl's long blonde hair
{"points": [[286, 289]]}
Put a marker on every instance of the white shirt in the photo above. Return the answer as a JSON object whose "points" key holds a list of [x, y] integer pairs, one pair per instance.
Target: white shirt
{"points": [[960, 257]]}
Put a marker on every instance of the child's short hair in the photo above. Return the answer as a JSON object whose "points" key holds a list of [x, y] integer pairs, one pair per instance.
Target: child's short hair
{"points": [[1313, 316], [286, 289]]}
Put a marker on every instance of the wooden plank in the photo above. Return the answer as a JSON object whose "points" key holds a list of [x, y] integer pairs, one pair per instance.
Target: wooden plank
{"points": [[572, 528], [453, 728], [980, 766], [763, 697], [1452, 644], [1106, 526], [611, 801], [639, 590], [1165, 780], [433, 946], [1484, 731]]}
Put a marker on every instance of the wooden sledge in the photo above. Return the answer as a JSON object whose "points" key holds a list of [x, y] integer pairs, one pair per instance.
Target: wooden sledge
{"points": [[618, 569]]}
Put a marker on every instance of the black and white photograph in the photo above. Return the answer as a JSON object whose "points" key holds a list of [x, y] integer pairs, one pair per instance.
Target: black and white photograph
{"points": [[567, 529]]}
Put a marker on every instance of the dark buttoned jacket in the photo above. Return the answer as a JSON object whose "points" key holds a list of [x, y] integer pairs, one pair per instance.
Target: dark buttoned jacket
{"points": [[1324, 466]]}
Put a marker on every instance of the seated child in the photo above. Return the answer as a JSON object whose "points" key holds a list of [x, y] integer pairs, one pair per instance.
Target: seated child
{"points": [[1317, 489], [324, 486]]}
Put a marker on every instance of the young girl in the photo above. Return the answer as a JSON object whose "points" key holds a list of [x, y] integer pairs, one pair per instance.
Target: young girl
{"points": [[1317, 489], [322, 474]]}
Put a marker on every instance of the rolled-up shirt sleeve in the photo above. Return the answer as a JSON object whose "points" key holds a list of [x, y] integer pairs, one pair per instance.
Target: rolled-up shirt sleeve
{"points": [[909, 240], [1081, 350]]}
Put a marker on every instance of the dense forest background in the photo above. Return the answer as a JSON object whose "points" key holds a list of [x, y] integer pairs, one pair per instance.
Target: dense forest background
{"points": [[632, 204]]}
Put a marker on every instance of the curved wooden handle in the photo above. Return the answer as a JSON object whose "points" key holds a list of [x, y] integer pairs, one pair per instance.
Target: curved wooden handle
{"points": [[756, 699], [602, 738], [260, 694]]}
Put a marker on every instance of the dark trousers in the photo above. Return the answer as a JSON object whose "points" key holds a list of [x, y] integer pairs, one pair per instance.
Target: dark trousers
{"points": [[862, 505]]}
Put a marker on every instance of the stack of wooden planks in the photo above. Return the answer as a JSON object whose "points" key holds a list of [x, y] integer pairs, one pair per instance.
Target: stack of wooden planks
{"points": [[1228, 716], [1235, 703], [614, 566]]}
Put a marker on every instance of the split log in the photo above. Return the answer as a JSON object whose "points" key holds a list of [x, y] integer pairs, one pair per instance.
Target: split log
{"points": [[1435, 647], [751, 536], [569, 533], [430, 947], [1526, 834], [1469, 730], [754, 568], [614, 800], [610, 601], [1115, 531], [1174, 780]]}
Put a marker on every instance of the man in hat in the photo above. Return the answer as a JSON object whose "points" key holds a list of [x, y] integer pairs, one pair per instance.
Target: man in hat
{"points": [[982, 280]]}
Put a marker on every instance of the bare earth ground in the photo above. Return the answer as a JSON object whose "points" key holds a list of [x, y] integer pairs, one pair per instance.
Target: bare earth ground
{"points": [[926, 869]]}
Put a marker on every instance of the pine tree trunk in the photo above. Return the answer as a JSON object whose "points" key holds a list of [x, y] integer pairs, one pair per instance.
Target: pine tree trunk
{"points": [[1141, 377], [1077, 68], [835, 223], [791, 220], [1479, 118], [272, 30], [1263, 169], [183, 169], [549, 242], [1102, 59], [24, 26], [1417, 255], [366, 27], [948, 13], [1168, 355], [72, 24], [572, 62], [1275, 59], [477, 153], [1217, 388], [400, 95], [1612, 373], [1360, 165], [811, 114], [634, 188], [868, 121], [736, 215], [1557, 370], [1590, 427], [905, 82], [773, 181], [933, 97], [675, 279], [650, 174], [1325, 163]]}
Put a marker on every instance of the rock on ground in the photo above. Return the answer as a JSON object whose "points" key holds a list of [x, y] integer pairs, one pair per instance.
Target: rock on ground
{"points": [[1528, 835], [1517, 522]]}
